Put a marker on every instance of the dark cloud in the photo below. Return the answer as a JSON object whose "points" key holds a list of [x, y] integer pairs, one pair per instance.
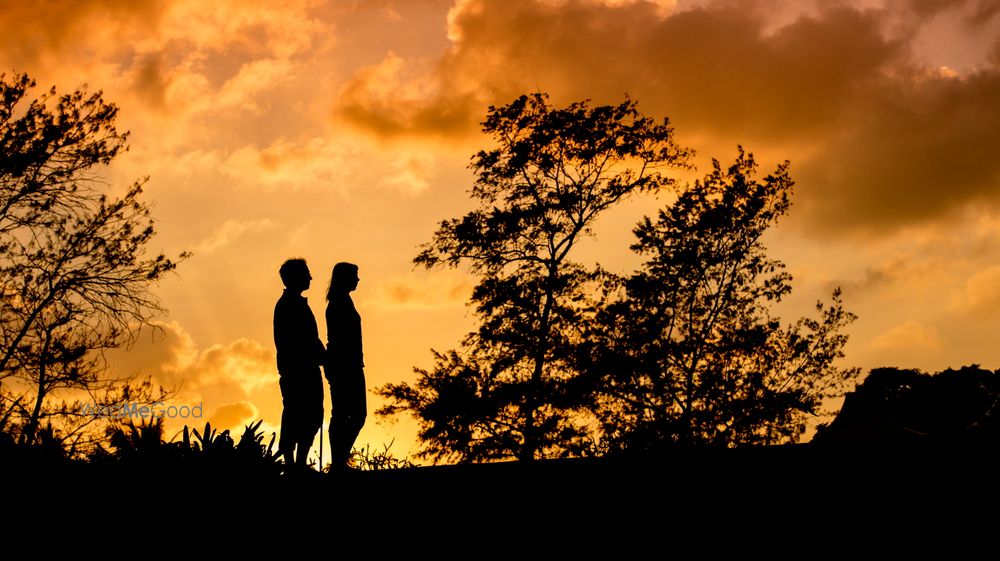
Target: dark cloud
{"points": [[975, 13], [877, 139], [389, 101], [150, 81], [926, 8], [984, 12], [713, 68], [913, 150], [34, 29]]}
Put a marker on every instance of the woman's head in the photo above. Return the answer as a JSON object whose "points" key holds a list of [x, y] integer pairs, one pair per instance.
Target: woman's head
{"points": [[343, 279]]}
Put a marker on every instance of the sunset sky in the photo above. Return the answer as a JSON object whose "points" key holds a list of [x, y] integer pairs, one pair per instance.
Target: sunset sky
{"points": [[342, 130]]}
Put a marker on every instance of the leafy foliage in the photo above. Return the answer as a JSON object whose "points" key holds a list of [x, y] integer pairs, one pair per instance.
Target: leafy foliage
{"points": [[511, 391], [686, 351], [897, 406], [367, 459], [74, 275], [208, 451]]}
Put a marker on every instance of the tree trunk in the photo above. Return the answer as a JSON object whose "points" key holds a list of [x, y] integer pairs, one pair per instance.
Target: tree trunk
{"points": [[28, 435], [531, 403]]}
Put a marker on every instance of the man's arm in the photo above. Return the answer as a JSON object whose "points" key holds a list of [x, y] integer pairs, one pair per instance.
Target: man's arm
{"points": [[312, 344], [283, 336]]}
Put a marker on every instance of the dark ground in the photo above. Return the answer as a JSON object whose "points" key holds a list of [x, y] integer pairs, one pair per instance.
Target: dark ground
{"points": [[719, 497]]}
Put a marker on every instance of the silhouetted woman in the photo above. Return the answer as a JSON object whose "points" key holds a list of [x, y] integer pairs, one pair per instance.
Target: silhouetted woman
{"points": [[344, 364]]}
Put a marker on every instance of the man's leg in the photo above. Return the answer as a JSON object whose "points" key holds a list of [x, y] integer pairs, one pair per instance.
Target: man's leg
{"points": [[339, 457], [311, 417], [302, 453], [286, 444]]}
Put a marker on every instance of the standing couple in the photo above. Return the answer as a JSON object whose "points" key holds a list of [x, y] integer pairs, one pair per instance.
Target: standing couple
{"points": [[301, 353]]}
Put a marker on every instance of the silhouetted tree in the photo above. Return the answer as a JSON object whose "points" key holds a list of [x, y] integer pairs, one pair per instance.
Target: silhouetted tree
{"points": [[510, 391], [686, 351], [74, 274], [908, 406]]}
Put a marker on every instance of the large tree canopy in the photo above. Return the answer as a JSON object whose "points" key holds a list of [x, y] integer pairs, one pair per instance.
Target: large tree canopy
{"points": [[74, 271], [687, 351], [511, 391]]}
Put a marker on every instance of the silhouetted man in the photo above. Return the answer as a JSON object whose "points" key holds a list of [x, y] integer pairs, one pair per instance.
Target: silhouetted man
{"points": [[344, 364], [300, 353]]}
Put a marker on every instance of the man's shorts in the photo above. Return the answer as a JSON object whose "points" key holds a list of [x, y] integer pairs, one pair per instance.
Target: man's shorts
{"points": [[302, 405]]}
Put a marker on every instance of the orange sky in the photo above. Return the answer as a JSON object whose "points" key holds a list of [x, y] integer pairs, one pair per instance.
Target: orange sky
{"points": [[341, 130]]}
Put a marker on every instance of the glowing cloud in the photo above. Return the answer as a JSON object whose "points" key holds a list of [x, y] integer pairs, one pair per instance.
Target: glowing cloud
{"points": [[909, 336], [831, 86]]}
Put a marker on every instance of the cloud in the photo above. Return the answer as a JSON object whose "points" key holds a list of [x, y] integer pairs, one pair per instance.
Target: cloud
{"points": [[158, 352], [188, 72], [173, 359], [231, 230], [149, 81], [278, 29], [908, 269], [332, 164], [940, 268], [410, 173], [233, 416], [243, 363], [980, 294], [234, 382], [713, 67], [55, 33], [392, 98], [242, 90], [879, 138], [920, 152], [318, 162], [41, 32], [909, 336], [422, 291]]}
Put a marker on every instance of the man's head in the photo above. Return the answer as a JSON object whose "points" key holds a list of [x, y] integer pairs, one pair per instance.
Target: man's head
{"points": [[295, 274], [344, 278]]}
